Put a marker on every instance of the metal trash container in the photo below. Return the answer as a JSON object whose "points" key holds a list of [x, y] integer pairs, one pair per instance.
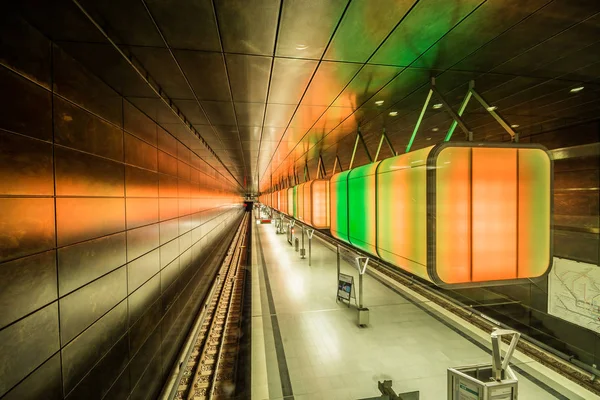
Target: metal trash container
{"points": [[296, 244], [484, 381]]}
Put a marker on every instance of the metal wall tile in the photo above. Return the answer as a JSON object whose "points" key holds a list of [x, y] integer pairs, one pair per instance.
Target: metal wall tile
{"points": [[168, 252], [144, 357], [167, 186], [81, 354], [139, 153], [219, 113], [249, 30], [25, 49], [21, 353], [139, 31], [166, 142], [169, 230], [141, 212], [206, 73], [75, 83], [81, 308], [168, 208], [187, 25], [97, 384], [27, 226], [140, 182], [29, 111], [138, 123], [295, 40], [183, 173], [141, 269], [142, 240], [140, 300], [76, 128], [80, 174], [250, 114], [79, 219], [160, 65], [144, 327], [364, 27], [43, 383], [83, 262], [27, 284], [192, 111], [242, 70], [148, 385], [121, 386], [168, 274], [27, 163]]}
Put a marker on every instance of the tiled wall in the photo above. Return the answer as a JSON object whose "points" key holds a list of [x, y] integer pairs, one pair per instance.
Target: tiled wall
{"points": [[109, 229]]}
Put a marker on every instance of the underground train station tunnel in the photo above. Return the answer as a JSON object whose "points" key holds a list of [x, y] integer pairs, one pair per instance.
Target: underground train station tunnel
{"points": [[300, 199]]}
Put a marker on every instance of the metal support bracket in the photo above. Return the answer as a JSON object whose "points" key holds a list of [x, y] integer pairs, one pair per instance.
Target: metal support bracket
{"points": [[499, 365], [456, 117], [360, 138], [514, 135], [306, 171], [385, 137], [321, 173], [335, 165]]}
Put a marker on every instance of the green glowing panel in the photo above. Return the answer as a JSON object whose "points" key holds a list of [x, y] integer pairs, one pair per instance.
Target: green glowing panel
{"points": [[339, 205], [361, 203]]}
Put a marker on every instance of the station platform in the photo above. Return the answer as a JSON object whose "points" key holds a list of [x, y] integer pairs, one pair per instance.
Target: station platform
{"points": [[307, 345]]}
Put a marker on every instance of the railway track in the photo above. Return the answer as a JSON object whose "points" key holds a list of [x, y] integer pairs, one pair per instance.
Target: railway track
{"points": [[211, 369]]}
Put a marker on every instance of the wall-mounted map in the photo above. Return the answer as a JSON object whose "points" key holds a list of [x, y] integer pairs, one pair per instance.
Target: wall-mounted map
{"points": [[574, 293]]}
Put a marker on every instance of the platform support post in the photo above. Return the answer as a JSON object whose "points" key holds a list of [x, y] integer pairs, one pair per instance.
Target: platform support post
{"points": [[302, 250], [338, 270], [310, 233]]}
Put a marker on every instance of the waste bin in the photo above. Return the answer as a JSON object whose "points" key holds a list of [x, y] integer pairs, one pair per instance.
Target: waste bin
{"points": [[494, 381]]}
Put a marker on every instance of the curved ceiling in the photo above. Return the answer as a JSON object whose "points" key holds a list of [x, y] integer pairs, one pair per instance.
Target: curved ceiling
{"points": [[271, 85]]}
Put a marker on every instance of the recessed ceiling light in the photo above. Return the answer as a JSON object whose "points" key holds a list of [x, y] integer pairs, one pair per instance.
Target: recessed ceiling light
{"points": [[514, 126], [435, 129], [438, 105], [379, 102], [428, 138], [393, 113], [576, 89], [301, 47], [492, 108]]}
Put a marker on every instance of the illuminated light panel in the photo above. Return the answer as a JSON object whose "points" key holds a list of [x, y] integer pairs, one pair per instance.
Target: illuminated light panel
{"points": [[338, 189], [320, 203], [535, 172], [300, 202], [307, 202], [494, 214], [361, 203], [402, 211], [290, 202], [453, 215]]}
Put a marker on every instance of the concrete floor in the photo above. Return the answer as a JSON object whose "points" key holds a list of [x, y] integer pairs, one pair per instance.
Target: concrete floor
{"points": [[327, 356]]}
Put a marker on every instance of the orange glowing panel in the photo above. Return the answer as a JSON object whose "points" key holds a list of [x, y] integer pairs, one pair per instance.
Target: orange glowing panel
{"points": [[300, 202], [453, 215], [494, 214], [290, 202], [307, 212], [490, 213], [320, 203]]}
